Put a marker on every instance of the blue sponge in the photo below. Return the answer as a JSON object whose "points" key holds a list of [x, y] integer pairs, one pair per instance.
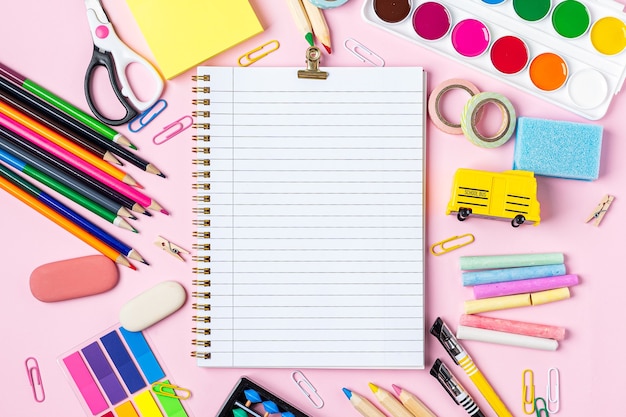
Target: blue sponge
{"points": [[558, 149]]}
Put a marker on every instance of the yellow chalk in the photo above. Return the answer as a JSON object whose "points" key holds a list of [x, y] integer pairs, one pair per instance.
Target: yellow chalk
{"points": [[543, 297], [497, 303]]}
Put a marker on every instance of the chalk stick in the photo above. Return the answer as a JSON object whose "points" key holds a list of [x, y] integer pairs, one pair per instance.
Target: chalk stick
{"points": [[497, 303], [504, 338], [511, 274], [468, 263], [543, 297], [513, 326], [523, 286]]}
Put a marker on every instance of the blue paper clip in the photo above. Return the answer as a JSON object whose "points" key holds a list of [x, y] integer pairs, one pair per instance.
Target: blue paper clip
{"points": [[147, 116]]}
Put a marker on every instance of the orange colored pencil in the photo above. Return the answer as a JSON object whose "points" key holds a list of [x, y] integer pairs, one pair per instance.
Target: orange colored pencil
{"points": [[65, 223], [65, 143]]}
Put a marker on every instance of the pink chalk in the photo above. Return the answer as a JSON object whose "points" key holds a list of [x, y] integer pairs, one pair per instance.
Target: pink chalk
{"points": [[513, 326], [524, 286]]}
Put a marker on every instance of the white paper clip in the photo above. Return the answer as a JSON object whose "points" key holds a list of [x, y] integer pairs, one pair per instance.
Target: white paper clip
{"points": [[147, 116], [553, 394], [170, 247], [181, 124], [299, 378], [370, 57], [34, 377]]}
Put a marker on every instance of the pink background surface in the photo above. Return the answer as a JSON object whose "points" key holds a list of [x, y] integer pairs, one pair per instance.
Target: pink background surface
{"points": [[49, 42]]}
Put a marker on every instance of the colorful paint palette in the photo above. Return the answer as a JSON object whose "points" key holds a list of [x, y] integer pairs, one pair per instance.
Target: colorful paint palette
{"points": [[568, 52], [113, 373]]}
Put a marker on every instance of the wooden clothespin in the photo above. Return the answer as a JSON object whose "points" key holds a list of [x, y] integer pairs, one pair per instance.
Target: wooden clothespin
{"points": [[600, 210], [170, 247]]}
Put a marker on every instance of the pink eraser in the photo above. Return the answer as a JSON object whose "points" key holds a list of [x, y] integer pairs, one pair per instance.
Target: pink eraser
{"points": [[73, 278], [524, 286], [513, 326]]}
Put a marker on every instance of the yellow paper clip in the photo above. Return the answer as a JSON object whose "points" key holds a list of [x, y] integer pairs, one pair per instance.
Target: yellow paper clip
{"points": [[541, 411], [264, 50], [355, 48], [181, 124], [168, 390], [171, 248], [299, 378], [34, 377], [600, 210], [552, 394], [440, 248], [528, 391]]}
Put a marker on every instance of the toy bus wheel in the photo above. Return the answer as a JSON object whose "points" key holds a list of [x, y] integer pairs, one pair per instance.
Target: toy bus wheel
{"points": [[518, 220], [463, 213]]}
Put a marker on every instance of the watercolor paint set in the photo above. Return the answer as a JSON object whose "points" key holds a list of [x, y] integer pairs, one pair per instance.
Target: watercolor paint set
{"points": [[118, 374], [570, 52]]}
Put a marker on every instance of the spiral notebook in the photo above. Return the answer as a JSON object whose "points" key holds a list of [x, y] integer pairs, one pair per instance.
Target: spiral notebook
{"points": [[309, 218]]}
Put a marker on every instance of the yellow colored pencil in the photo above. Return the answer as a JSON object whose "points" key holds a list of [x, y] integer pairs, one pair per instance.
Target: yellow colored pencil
{"points": [[389, 402], [65, 223]]}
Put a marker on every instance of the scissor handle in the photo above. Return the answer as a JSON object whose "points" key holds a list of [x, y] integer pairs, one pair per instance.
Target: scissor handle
{"points": [[99, 59]]}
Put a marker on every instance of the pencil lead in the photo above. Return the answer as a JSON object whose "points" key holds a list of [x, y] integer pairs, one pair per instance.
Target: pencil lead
{"points": [[167, 213], [327, 48], [396, 388], [309, 38]]}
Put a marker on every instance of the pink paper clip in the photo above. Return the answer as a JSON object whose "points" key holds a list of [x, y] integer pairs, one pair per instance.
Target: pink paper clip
{"points": [[169, 132], [34, 377]]}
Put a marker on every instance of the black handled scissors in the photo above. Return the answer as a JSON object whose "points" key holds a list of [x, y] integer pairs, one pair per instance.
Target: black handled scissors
{"points": [[113, 54]]}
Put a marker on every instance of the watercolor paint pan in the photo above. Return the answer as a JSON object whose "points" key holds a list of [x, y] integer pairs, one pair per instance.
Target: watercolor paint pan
{"points": [[569, 53]]}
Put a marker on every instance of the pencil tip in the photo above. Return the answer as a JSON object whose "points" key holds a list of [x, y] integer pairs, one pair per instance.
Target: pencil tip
{"points": [[133, 267], [131, 146], [396, 388], [347, 392], [309, 39], [147, 213], [145, 262], [327, 48], [373, 387], [162, 175], [167, 213]]}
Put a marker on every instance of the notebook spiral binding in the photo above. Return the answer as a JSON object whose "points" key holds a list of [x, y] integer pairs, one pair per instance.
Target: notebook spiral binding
{"points": [[201, 175]]}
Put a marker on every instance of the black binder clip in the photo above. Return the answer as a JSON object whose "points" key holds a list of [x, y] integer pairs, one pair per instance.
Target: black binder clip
{"points": [[312, 70]]}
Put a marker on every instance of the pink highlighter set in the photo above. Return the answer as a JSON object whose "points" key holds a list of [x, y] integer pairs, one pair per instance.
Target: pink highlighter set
{"points": [[568, 52]]}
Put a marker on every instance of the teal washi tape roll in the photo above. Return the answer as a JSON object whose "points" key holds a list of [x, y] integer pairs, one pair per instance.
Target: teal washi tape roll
{"points": [[326, 4], [469, 119], [468, 263]]}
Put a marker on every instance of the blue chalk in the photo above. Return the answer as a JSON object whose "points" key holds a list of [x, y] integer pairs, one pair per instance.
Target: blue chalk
{"points": [[511, 274], [558, 149]]}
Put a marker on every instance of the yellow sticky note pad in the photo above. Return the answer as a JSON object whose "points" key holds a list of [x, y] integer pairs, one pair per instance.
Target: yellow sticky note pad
{"points": [[184, 33]]}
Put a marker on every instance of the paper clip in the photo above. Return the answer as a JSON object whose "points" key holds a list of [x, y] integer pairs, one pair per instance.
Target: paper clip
{"points": [[543, 411], [250, 55], [34, 377], [147, 116], [299, 378], [170, 247], [553, 396], [600, 210], [158, 387], [440, 248], [183, 123], [354, 46], [528, 391]]}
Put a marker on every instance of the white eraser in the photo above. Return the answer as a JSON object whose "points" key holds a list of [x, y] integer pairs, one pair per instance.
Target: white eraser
{"points": [[152, 306]]}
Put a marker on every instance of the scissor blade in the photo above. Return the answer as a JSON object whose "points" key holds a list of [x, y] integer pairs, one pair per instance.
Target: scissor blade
{"points": [[96, 6]]}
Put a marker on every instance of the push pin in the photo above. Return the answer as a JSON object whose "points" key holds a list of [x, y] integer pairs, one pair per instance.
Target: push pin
{"points": [[170, 247], [600, 210], [312, 70]]}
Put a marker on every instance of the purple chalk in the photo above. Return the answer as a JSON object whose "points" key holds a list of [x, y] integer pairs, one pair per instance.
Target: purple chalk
{"points": [[524, 286]]}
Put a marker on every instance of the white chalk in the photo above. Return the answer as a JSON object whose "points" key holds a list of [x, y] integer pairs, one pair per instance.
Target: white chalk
{"points": [[504, 338]]}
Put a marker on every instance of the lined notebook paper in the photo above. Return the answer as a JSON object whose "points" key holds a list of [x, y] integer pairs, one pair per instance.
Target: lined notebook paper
{"points": [[309, 218]]}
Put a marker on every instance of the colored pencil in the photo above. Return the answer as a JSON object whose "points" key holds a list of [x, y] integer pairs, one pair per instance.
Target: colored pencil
{"points": [[70, 214], [64, 190], [68, 175], [51, 136], [83, 166], [301, 19], [9, 89], [49, 123], [318, 23], [412, 403], [362, 404], [29, 85], [65, 223], [389, 402]]}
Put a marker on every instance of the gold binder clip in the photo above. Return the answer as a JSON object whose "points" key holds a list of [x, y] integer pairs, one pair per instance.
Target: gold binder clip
{"points": [[170, 390], [251, 57], [528, 391], [312, 70], [170, 247], [440, 248], [600, 210]]}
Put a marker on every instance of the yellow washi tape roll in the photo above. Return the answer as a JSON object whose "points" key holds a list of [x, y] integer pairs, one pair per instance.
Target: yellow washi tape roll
{"points": [[472, 111]]}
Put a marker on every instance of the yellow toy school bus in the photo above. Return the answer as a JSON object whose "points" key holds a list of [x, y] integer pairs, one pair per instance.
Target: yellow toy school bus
{"points": [[509, 195]]}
